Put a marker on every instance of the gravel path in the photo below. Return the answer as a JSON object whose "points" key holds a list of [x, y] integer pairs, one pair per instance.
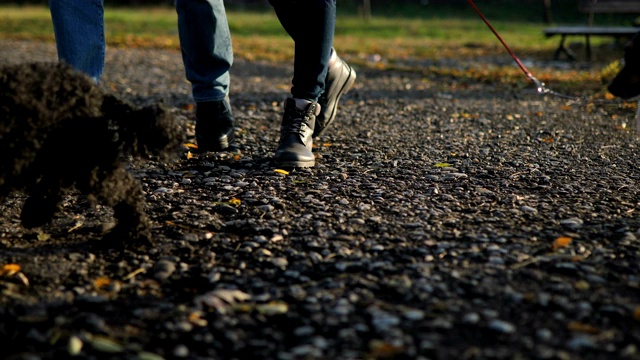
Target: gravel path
{"points": [[444, 220]]}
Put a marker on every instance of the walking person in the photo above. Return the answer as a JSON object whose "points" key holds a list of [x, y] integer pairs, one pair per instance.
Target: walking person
{"points": [[320, 77]]}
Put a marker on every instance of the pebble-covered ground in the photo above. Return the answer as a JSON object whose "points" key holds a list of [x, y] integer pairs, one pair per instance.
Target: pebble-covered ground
{"points": [[444, 220]]}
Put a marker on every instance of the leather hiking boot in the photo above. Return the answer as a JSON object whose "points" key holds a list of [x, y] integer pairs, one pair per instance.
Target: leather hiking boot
{"points": [[340, 79], [214, 125], [295, 146]]}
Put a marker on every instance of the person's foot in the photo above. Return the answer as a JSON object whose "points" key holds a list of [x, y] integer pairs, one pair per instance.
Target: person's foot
{"points": [[626, 84], [214, 125], [340, 78], [296, 142]]}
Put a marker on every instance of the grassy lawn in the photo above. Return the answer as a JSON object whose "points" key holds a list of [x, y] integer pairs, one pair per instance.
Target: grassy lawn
{"points": [[423, 35], [429, 33]]}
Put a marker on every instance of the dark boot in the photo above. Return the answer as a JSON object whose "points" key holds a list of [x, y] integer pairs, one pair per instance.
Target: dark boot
{"points": [[295, 147], [214, 125], [340, 79]]}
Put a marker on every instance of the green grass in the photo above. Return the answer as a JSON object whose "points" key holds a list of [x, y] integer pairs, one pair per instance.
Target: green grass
{"points": [[455, 26]]}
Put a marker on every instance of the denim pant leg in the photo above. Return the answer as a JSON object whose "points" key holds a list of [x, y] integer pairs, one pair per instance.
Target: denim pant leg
{"points": [[79, 31], [311, 25], [206, 47]]}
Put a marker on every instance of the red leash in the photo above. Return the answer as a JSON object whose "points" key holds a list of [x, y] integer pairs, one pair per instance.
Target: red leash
{"points": [[539, 85]]}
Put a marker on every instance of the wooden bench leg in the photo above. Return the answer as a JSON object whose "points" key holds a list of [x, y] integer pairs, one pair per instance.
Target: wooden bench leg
{"points": [[563, 50]]}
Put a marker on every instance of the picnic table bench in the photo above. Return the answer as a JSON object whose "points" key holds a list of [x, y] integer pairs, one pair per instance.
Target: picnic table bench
{"points": [[592, 7]]}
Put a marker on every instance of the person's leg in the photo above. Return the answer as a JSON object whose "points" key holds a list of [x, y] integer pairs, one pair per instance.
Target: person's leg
{"points": [[79, 32], [207, 54], [205, 41], [320, 78], [311, 25]]}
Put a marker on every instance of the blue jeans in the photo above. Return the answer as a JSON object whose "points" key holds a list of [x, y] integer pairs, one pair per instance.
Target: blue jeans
{"points": [[79, 29], [204, 39], [311, 25], [208, 56], [206, 47]]}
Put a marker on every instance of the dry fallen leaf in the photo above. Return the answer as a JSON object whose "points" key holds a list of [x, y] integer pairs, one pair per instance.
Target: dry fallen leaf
{"points": [[9, 269], [561, 242], [273, 308], [101, 282], [280, 171]]}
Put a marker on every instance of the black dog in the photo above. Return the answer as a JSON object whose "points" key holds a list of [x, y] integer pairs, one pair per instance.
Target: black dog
{"points": [[60, 131], [626, 84]]}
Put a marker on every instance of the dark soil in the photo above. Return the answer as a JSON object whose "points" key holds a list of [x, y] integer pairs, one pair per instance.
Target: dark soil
{"points": [[444, 220]]}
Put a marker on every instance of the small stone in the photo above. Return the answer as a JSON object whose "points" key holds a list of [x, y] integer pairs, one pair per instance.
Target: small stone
{"points": [[163, 269], [471, 318], [181, 351], [572, 223], [502, 326]]}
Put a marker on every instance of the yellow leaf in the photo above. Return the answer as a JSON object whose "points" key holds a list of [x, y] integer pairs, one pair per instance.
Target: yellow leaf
{"points": [[442, 165], [582, 285], [280, 171], [191, 146], [237, 157], [327, 144], [561, 242], [235, 202], [43, 237], [101, 282], [273, 308], [196, 319], [189, 155], [9, 269]]}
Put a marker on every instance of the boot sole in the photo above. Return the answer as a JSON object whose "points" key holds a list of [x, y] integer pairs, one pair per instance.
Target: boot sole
{"points": [[348, 84], [296, 164]]}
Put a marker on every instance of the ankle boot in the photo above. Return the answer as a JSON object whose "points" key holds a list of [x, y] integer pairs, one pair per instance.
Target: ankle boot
{"points": [[340, 78], [296, 131], [214, 125]]}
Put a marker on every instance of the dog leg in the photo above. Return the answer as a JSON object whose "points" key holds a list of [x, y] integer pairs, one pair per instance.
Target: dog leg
{"points": [[39, 208], [124, 193]]}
